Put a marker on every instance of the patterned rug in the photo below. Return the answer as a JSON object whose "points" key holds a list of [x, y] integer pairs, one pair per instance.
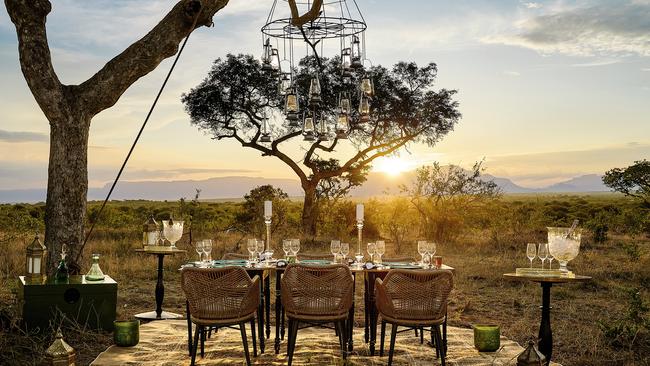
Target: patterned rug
{"points": [[164, 343]]}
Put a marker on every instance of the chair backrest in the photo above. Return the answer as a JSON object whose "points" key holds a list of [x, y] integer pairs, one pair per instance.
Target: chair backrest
{"points": [[314, 256], [219, 293], [398, 259], [415, 294], [235, 256], [317, 290]]}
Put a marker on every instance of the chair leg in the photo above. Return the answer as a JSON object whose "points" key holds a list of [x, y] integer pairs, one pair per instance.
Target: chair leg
{"points": [[293, 333], [203, 332], [344, 339], [416, 331], [440, 348], [381, 340], [196, 344], [393, 334], [339, 335], [254, 337], [242, 329], [421, 335]]}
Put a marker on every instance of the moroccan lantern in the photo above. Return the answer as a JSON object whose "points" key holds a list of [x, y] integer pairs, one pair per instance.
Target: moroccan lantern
{"points": [[531, 356], [35, 262], [151, 232], [60, 353]]}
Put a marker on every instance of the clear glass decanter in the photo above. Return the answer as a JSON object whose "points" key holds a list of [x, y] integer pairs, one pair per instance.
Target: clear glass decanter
{"points": [[95, 273]]}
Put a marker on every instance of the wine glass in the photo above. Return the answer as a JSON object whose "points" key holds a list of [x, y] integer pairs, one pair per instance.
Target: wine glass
{"points": [[286, 247], [345, 250], [259, 247], [531, 253], [295, 246], [550, 259], [252, 248], [372, 249], [199, 249], [380, 249], [422, 250], [207, 249], [431, 248], [335, 248], [542, 252]]}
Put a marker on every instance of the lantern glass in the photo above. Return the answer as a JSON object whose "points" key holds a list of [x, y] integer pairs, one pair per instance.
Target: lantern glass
{"points": [[342, 123], [151, 232], [308, 126], [291, 105], [356, 52], [285, 83], [314, 87], [344, 104], [367, 87], [346, 60], [275, 60], [364, 106]]}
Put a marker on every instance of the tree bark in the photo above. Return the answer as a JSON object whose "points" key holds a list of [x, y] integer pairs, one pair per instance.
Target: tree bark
{"points": [[70, 108], [309, 209]]}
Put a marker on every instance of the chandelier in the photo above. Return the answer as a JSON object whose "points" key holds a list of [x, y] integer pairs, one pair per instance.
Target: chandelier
{"points": [[312, 23]]}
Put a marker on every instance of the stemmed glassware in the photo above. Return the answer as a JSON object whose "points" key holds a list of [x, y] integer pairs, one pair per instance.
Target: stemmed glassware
{"points": [[550, 259], [173, 231], [252, 248], [372, 250], [380, 249], [345, 250], [199, 249], [295, 247], [431, 249], [207, 249], [531, 253], [259, 247], [286, 247], [335, 248], [542, 252], [422, 250]]}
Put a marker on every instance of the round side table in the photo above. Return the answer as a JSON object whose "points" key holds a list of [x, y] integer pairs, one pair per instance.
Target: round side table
{"points": [[159, 314]]}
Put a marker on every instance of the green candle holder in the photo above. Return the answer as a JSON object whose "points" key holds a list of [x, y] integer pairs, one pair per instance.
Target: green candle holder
{"points": [[126, 333], [487, 337]]}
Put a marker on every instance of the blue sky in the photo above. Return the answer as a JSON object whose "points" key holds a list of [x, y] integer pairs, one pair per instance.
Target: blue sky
{"points": [[548, 90]]}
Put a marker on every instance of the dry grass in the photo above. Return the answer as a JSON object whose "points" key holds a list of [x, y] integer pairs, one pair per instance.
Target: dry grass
{"points": [[481, 295]]}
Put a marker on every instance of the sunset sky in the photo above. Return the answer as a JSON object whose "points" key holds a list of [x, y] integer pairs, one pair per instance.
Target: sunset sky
{"points": [[548, 90]]}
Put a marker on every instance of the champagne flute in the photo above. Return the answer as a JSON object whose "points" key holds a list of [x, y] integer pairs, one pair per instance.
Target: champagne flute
{"points": [[372, 249], [422, 250], [531, 253], [380, 249], [286, 247], [295, 247], [335, 248], [345, 250], [252, 247], [207, 249], [542, 253]]}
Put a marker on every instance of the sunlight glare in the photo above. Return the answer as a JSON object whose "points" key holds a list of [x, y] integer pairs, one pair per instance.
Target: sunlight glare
{"points": [[392, 166]]}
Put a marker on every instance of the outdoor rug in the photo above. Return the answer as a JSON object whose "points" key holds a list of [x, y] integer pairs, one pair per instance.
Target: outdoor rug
{"points": [[164, 343]]}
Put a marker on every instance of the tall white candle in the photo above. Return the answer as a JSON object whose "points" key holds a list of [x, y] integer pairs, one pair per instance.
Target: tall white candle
{"points": [[359, 211], [268, 208]]}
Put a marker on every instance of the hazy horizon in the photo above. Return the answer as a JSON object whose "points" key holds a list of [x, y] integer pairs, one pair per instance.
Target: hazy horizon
{"points": [[549, 90]]}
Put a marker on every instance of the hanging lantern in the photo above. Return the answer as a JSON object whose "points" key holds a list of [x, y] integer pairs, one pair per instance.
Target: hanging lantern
{"points": [[291, 107], [356, 53], [308, 129], [324, 133], [531, 356], [267, 51], [367, 86], [314, 91], [364, 109], [266, 135], [35, 256], [285, 83], [344, 103], [60, 353], [150, 232], [342, 125], [275, 61], [346, 64]]}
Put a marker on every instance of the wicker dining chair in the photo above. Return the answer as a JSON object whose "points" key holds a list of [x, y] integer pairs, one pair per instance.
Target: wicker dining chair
{"points": [[309, 256], [317, 295], [221, 297], [415, 299]]}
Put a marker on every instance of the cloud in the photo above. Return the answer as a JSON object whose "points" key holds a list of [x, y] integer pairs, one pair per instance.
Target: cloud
{"points": [[23, 136], [512, 73], [532, 5], [609, 28], [180, 173]]}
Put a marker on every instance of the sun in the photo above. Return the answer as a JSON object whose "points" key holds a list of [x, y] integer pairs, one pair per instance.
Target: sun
{"points": [[392, 166]]}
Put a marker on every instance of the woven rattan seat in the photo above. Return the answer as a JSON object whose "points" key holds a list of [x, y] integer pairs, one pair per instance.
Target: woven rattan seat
{"points": [[413, 298], [221, 297], [314, 295]]}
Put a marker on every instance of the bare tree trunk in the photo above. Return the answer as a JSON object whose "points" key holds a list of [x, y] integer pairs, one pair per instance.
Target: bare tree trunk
{"points": [[67, 186], [309, 210]]}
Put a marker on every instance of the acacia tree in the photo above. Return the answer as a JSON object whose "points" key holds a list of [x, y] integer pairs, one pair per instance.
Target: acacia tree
{"points": [[633, 181], [230, 104], [70, 108]]}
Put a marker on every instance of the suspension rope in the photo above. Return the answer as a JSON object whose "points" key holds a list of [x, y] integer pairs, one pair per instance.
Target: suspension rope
{"points": [[137, 138]]}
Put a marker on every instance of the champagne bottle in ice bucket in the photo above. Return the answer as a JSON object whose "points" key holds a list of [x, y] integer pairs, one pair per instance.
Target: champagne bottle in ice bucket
{"points": [[564, 243]]}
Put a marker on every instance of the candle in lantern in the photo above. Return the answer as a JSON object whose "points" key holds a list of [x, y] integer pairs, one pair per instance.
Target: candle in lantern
{"points": [[268, 208], [359, 212]]}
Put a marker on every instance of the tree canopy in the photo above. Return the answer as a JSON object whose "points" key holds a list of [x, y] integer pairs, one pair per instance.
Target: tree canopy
{"points": [[633, 181]]}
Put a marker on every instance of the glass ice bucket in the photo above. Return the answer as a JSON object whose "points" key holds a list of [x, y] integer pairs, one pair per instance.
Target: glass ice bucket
{"points": [[563, 245]]}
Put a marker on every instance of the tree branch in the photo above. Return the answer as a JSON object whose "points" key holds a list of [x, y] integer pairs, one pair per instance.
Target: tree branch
{"points": [[104, 88]]}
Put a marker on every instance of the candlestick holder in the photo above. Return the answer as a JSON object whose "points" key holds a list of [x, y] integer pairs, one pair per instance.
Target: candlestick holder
{"points": [[267, 221], [360, 237]]}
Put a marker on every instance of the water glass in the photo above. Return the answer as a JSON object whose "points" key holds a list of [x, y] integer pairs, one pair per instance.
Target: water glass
{"points": [[286, 247], [431, 248], [372, 249], [542, 252], [207, 249], [345, 250], [251, 245], [380, 249], [422, 250], [335, 248], [295, 247], [531, 252], [199, 249]]}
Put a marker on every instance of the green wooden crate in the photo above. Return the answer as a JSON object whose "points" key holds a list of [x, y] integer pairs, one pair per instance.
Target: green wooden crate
{"points": [[90, 303]]}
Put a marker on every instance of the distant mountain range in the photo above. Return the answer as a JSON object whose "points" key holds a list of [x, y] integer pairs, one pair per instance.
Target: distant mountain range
{"points": [[237, 187]]}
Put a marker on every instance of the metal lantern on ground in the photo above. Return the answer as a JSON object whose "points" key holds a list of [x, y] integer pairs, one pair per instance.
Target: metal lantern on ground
{"points": [[35, 262], [531, 356], [60, 353], [150, 232]]}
